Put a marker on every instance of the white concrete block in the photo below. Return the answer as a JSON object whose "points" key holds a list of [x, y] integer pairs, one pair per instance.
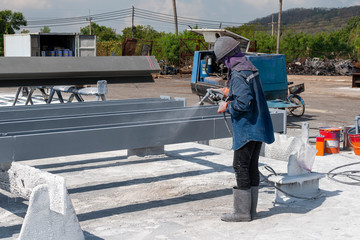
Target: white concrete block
{"points": [[50, 214], [42, 223]]}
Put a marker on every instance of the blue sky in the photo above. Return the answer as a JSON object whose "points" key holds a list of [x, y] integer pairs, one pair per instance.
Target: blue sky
{"points": [[238, 11]]}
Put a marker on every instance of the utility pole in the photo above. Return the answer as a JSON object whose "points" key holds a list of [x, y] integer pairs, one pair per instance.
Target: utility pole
{"points": [[272, 25], [175, 18], [133, 28], [279, 28], [89, 19]]}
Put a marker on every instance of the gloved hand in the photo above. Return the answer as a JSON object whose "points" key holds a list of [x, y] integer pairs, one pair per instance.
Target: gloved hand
{"points": [[222, 106], [225, 91]]}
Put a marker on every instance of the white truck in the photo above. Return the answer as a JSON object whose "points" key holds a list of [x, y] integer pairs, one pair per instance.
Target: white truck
{"points": [[49, 44]]}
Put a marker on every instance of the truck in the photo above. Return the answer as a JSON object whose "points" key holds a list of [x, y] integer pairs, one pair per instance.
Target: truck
{"points": [[49, 44], [206, 73]]}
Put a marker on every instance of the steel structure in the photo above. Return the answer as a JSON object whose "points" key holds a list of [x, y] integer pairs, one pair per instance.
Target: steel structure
{"points": [[50, 71], [40, 131]]}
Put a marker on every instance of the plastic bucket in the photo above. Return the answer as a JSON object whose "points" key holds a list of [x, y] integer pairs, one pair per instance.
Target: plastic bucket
{"points": [[332, 139], [354, 140]]}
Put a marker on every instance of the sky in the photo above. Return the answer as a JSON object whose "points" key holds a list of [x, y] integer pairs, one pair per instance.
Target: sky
{"points": [[234, 11]]}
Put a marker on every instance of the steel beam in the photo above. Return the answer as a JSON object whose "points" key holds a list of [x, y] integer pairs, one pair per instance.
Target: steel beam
{"points": [[68, 110], [51, 132], [50, 71]]}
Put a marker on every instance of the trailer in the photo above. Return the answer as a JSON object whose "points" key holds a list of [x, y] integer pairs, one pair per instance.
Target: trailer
{"points": [[49, 45]]}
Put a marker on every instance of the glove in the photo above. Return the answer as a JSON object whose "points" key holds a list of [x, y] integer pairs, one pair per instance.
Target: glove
{"points": [[225, 91], [222, 106]]}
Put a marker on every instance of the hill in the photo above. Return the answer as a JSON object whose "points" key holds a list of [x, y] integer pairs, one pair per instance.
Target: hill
{"points": [[311, 20]]}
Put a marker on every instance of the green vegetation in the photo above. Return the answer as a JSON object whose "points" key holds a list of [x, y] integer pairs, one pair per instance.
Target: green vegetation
{"points": [[344, 43], [45, 29], [9, 22], [341, 42]]}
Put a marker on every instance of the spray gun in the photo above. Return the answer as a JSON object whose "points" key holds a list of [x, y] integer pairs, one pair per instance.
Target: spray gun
{"points": [[215, 96]]}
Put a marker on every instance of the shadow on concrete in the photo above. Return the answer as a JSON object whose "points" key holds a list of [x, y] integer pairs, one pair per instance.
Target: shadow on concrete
{"points": [[214, 167], [300, 207], [296, 121], [153, 204], [139, 181], [89, 236], [10, 231], [17, 207], [72, 163]]}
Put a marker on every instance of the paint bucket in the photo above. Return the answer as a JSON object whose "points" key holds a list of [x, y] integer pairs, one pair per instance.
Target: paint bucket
{"points": [[66, 52], [332, 139], [354, 140]]}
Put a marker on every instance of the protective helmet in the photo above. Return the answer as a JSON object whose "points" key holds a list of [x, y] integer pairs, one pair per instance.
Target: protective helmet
{"points": [[224, 46]]}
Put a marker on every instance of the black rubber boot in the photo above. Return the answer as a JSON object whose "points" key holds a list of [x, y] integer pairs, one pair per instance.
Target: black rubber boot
{"points": [[254, 200], [242, 206]]}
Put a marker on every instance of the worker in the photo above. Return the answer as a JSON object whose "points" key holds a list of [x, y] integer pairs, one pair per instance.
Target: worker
{"points": [[251, 123]]}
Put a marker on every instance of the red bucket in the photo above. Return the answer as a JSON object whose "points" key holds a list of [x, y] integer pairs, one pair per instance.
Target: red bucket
{"points": [[354, 140], [332, 139]]}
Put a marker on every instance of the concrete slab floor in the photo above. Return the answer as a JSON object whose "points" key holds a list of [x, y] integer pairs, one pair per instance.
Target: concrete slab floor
{"points": [[181, 195]]}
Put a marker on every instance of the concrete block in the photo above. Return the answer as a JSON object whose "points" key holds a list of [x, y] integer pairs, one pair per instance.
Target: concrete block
{"points": [[50, 214], [43, 223]]}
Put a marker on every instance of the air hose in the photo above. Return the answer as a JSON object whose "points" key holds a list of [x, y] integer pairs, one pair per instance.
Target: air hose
{"points": [[352, 174]]}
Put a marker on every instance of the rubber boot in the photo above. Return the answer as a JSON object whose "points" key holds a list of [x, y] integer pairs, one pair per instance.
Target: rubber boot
{"points": [[242, 206], [254, 200]]}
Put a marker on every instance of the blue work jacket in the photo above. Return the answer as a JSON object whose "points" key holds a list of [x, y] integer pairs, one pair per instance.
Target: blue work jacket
{"points": [[250, 114]]}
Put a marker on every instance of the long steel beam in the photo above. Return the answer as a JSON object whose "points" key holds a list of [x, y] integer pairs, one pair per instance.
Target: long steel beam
{"points": [[49, 71], [37, 136], [52, 111]]}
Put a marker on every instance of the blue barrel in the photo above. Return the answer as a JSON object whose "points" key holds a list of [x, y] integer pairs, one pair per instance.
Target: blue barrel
{"points": [[52, 54], [70, 53], [66, 52], [59, 53]]}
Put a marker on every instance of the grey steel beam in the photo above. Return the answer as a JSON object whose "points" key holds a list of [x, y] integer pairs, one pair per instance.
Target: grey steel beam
{"points": [[54, 133], [49, 71], [60, 111], [52, 144], [19, 127]]}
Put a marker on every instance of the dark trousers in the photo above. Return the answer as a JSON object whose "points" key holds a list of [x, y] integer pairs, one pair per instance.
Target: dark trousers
{"points": [[246, 160]]}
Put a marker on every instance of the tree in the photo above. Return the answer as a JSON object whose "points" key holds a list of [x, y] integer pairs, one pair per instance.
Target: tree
{"points": [[141, 32], [25, 31], [102, 33], [45, 29], [9, 22]]}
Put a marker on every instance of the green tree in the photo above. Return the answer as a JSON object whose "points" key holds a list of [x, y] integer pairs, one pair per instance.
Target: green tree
{"points": [[141, 32], [102, 33], [45, 29], [9, 22]]}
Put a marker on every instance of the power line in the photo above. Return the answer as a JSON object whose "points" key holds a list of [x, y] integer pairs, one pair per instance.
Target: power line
{"points": [[124, 13]]}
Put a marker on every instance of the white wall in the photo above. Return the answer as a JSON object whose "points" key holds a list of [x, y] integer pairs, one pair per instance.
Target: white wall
{"points": [[17, 45]]}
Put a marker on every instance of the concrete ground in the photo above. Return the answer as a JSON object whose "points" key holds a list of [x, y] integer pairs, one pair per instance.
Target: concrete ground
{"points": [[181, 194]]}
